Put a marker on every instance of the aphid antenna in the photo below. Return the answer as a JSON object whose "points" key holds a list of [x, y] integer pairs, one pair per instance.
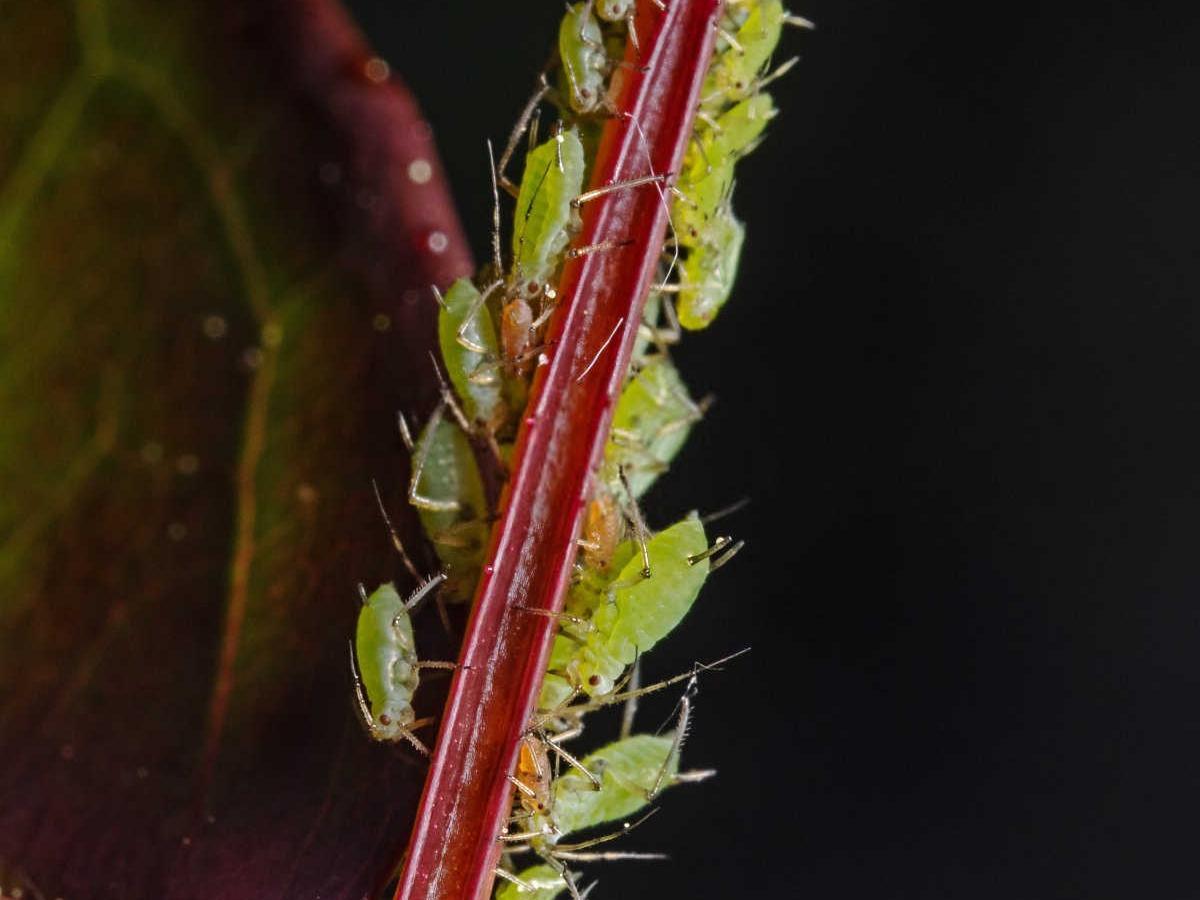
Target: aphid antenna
{"points": [[608, 857], [596, 356], [735, 507], [448, 397], [396, 542], [569, 759], [415, 497], [682, 723], [581, 708], [495, 211], [525, 121], [625, 828]]}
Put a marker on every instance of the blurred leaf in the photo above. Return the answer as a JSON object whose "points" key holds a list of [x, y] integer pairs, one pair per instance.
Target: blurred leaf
{"points": [[217, 233]]}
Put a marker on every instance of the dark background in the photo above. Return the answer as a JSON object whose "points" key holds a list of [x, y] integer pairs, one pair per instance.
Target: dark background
{"points": [[958, 380]]}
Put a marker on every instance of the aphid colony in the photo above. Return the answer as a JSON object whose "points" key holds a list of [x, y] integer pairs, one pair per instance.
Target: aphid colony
{"points": [[631, 586]]}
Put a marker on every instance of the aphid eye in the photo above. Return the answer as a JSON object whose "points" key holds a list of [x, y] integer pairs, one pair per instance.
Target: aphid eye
{"points": [[385, 719], [594, 680], [532, 289]]}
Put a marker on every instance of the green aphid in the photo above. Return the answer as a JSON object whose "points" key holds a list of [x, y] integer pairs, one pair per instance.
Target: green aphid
{"points": [[469, 348], [631, 771], [734, 73], [544, 218], [707, 274], [584, 61], [386, 673], [707, 175], [622, 616], [651, 423], [447, 491]]}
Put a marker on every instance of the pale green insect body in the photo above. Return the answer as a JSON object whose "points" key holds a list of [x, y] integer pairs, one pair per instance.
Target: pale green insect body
{"points": [[707, 274], [387, 663], [544, 219], [618, 616], [735, 71], [630, 770]]}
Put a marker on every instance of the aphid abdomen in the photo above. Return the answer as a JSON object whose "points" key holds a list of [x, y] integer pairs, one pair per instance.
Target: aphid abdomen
{"points": [[545, 880], [642, 611], [516, 331]]}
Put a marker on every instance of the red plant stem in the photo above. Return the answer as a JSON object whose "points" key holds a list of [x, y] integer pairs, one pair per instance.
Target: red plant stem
{"points": [[467, 798]]}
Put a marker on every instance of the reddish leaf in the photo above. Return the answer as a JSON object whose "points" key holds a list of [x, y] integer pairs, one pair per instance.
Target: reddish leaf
{"points": [[468, 797], [217, 234]]}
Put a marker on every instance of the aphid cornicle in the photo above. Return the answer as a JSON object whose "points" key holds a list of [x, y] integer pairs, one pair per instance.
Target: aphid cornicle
{"points": [[384, 662]]}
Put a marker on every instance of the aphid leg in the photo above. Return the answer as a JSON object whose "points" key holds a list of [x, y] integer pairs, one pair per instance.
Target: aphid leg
{"points": [[566, 876], [639, 524], [415, 497], [730, 39], [681, 730], [587, 249], [561, 616], [513, 879], [460, 333], [607, 857], [570, 760], [527, 114], [596, 193], [626, 827], [621, 697], [631, 705], [408, 563], [405, 432], [360, 694]]}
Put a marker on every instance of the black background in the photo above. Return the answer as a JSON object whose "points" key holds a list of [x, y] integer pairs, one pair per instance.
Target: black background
{"points": [[958, 381]]}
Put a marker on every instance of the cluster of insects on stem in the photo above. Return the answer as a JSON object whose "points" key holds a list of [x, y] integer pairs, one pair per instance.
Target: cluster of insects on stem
{"points": [[632, 586]]}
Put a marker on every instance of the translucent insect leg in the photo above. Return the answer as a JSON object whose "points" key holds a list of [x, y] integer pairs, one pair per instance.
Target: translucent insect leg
{"points": [[631, 705], [396, 542], [561, 616], [596, 193], [420, 455], [607, 857], [782, 69], [626, 827], [460, 334], [622, 696], [570, 760], [717, 547], [513, 879], [523, 122], [603, 246], [681, 731], [364, 709], [639, 524]]}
